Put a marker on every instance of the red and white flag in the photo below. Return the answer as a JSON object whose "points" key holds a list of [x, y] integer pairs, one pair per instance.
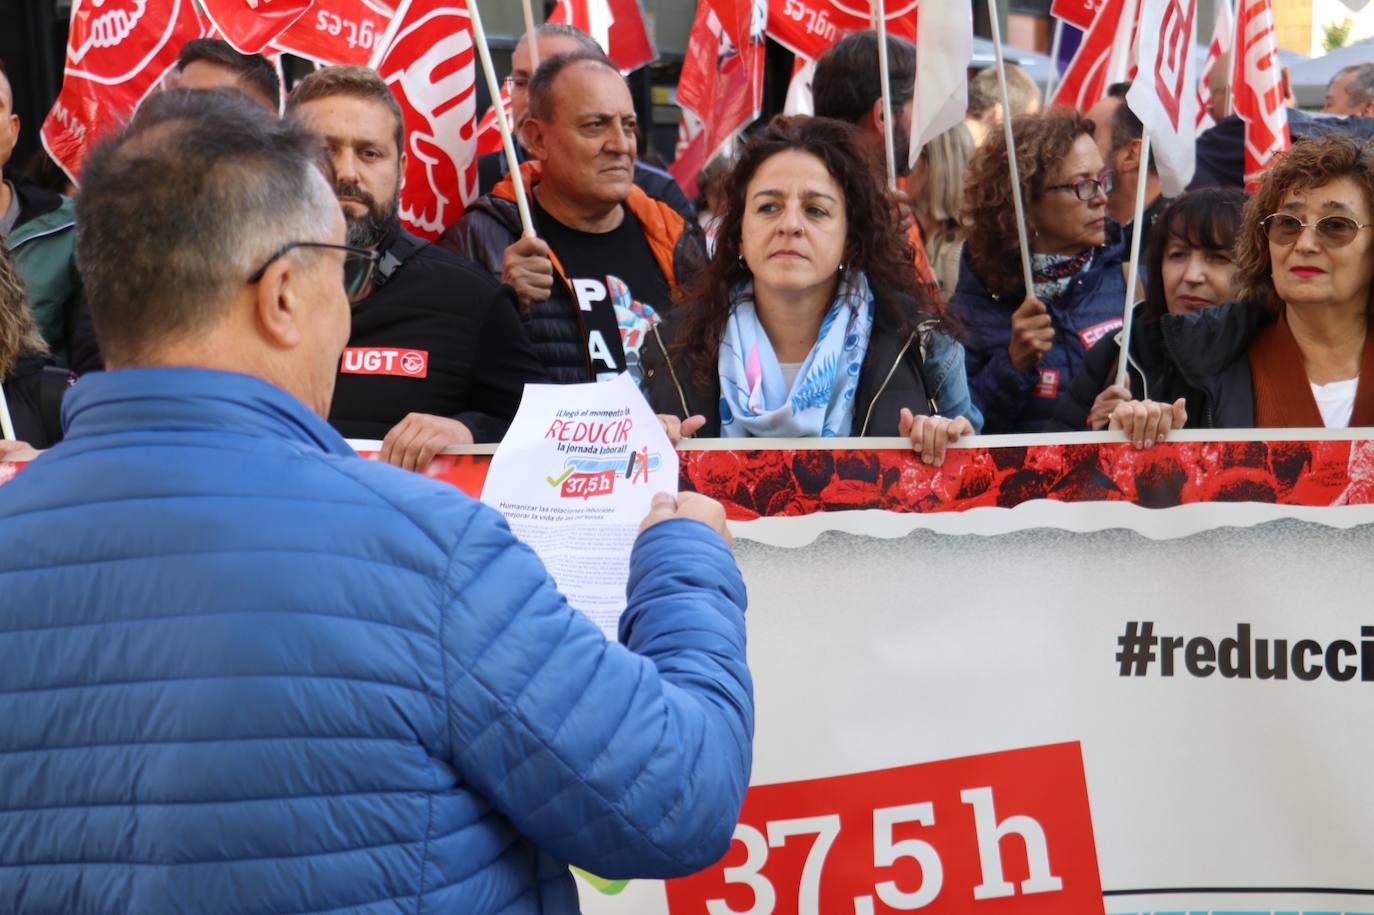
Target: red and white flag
{"points": [[250, 25], [337, 32], [808, 27], [430, 65], [944, 49], [1257, 89], [720, 90], [1223, 36], [617, 25], [489, 131], [1104, 56], [1163, 94], [118, 51], [1077, 13]]}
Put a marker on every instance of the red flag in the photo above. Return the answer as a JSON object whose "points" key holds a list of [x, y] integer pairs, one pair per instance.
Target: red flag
{"points": [[488, 131], [809, 27], [1257, 89], [1077, 13], [1103, 58], [720, 90], [431, 68], [1223, 36], [337, 32], [117, 52], [617, 25], [250, 25]]}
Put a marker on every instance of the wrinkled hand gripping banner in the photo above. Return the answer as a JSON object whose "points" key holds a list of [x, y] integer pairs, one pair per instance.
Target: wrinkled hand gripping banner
{"points": [[1005, 686]]}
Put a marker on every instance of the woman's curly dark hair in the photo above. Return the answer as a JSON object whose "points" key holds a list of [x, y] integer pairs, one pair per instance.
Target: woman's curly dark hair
{"points": [[1311, 163], [876, 245], [989, 214]]}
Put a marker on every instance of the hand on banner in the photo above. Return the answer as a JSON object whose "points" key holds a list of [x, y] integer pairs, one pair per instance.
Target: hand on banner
{"points": [[1032, 334], [678, 429], [1148, 422], [931, 436], [414, 441], [689, 505], [16, 451], [527, 268], [1104, 405]]}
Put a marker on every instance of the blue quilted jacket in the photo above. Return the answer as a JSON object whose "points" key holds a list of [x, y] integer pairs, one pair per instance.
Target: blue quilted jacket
{"points": [[245, 671]]}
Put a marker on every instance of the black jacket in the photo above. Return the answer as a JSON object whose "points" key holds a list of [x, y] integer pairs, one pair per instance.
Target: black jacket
{"points": [[1149, 374], [1221, 148], [437, 336], [33, 393], [1209, 350], [658, 184], [491, 225], [893, 376]]}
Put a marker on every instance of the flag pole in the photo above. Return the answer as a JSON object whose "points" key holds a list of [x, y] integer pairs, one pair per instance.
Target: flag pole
{"points": [[479, 38], [1133, 273], [884, 80], [6, 423], [1237, 38], [530, 40], [1054, 60], [1011, 151]]}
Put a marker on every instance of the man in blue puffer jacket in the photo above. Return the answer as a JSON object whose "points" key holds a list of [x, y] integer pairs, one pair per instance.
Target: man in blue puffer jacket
{"points": [[248, 672]]}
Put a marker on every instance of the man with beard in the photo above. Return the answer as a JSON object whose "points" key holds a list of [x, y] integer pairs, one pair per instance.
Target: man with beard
{"points": [[438, 356], [848, 87]]}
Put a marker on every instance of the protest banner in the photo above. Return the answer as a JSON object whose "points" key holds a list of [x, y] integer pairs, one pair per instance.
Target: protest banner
{"points": [[1054, 675], [808, 27], [337, 32]]}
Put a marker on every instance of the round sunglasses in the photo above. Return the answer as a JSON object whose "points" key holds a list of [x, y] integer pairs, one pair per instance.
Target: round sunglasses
{"points": [[1330, 231]]}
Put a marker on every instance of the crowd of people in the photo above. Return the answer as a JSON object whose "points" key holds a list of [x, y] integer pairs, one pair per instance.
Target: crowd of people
{"points": [[247, 671], [817, 300]]}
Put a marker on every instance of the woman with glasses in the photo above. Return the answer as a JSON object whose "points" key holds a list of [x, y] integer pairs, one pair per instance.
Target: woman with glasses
{"points": [[1025, 346], [1191, 265], [1294, 350]]}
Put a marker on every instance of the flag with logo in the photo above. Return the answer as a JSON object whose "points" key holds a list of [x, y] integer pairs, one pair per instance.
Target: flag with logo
{"points": [[944, 48], [250, 25], [118, 51], [1163, 94], [1077, 13], [809, 27], [1223, 36], [1104, 56], [429, 62], [617, 25], [488, 130], [1257, 89], [337, 32], [720, 90]]}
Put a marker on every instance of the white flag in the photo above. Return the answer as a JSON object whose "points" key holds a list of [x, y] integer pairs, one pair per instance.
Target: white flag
{"points": [[1164, 92], [944, 48]]}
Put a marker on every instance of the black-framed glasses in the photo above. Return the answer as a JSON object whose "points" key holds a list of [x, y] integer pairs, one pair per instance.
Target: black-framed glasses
{"points": [[1331, 231], [358, 265], [1087, 189]]}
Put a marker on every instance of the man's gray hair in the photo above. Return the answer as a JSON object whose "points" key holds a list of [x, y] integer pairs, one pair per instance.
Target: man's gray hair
{"points": [[541, 84], [563, 30], [1360, 89], [176, 211]]}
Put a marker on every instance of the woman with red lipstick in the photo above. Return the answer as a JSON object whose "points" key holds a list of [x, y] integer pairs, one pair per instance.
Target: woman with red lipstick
{"points": [[1295, 349], [1026, 346], [1190, 265], [809, 320]]}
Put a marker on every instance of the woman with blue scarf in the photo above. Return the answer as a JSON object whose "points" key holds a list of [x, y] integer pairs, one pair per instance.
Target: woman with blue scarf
{"points": [[809, 321]]}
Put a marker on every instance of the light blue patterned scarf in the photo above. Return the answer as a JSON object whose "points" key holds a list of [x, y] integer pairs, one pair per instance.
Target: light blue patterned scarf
{"points": [[756, 401]]}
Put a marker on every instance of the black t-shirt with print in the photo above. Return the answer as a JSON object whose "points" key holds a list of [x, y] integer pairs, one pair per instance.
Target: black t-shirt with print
{"points": [[613, 275]]}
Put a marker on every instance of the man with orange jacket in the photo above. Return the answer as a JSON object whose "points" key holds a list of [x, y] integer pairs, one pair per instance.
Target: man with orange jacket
{"points": [[608, 259]]}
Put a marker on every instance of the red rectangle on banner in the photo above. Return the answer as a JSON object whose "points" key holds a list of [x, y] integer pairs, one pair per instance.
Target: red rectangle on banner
{"points": [[1005, 833], [586, 485]]}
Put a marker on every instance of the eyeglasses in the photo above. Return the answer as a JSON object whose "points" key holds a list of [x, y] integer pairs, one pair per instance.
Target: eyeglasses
{"points": [[516, 82], [1087, 189], [357, 267], [1331, 231]]}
